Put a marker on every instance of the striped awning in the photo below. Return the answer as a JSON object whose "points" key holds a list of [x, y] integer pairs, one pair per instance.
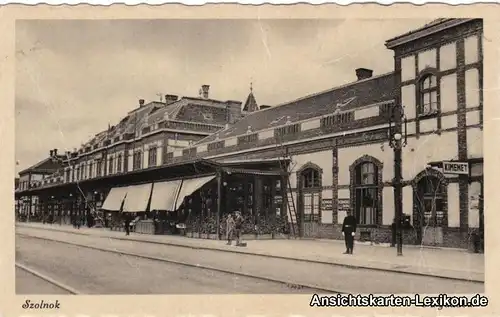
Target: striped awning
{"points": [[114, 199], [137, 198], [189, 186], [164, 195]]}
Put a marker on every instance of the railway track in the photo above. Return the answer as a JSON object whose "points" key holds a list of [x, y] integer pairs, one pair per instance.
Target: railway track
{"points": [[313, 288], [47, 279]]}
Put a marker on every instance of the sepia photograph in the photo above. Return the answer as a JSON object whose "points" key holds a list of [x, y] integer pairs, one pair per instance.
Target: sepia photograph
{"points": [[249, 156]]}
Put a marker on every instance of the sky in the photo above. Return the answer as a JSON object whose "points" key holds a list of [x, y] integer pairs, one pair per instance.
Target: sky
{"points": [[74, 77]]}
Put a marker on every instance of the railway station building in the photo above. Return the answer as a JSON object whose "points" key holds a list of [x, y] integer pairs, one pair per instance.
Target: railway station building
{"points": [[297, 168]]}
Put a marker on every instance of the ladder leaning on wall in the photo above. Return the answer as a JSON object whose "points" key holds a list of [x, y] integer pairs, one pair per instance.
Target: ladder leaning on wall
{"points": [[291, 211]]}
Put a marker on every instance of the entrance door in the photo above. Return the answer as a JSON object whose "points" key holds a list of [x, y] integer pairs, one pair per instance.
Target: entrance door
{"points": [[310, 207], [430, 203]]}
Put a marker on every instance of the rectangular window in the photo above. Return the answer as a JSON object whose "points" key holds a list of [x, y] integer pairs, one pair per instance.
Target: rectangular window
{"points": [[249, 138], [287, 130], [215, 146], [311, 206], [366, 205], [119, 164], [110, 166], [169, 156], [152, 152], [99, 168], [337, 120], [136, 163], [91, 166]]}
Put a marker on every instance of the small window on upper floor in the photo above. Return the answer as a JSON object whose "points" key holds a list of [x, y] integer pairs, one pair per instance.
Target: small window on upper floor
{"points": [[428, 92]]}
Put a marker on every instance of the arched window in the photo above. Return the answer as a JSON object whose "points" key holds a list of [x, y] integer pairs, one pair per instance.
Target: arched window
{"points": [[310, 178], [428, 95], [310, 194], [431, 196], [366, 193]]}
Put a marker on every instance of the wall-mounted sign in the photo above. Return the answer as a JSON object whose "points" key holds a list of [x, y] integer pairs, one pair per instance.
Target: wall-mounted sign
{"points": [[344, 205], [456, 168], [327, 204]]}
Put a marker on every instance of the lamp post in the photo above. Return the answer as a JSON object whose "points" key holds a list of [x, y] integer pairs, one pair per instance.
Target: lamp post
{"points": [[398, 140]]}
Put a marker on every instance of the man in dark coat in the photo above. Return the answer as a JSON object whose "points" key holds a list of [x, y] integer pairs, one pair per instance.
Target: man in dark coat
{"points": [[127, 223], [348, 231]]}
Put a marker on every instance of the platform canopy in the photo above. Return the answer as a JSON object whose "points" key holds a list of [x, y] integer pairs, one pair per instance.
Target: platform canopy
{"points": [[115, 198], [137, 198], [164, 195]]}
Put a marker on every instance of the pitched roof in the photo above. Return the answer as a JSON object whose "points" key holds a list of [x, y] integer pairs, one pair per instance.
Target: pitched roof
{"points": [[251, 104], [43, 166], [357, 94]]}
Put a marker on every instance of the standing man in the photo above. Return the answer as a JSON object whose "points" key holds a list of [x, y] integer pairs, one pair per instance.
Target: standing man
{"points": [[238, 224], [127, 224], [230, 226], [348, 231]]}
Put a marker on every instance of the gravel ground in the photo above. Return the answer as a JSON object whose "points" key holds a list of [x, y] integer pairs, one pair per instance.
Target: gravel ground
{"points": [[97, 272], [29, 284], [321, 275]]}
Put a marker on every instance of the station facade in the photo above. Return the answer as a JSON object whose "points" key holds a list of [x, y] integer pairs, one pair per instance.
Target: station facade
{"points": [[298, 167]]}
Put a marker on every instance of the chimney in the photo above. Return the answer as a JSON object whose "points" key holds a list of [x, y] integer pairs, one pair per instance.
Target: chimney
{"points": [[51, 153], [55, 152], [141, 102], [171, 99], [363, 73], [204, 90], [233, 111], [264, 107]]}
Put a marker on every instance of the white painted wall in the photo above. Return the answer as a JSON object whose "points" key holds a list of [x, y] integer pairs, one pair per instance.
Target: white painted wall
{"points": [[449, 93], [471, 46], [347, 156], [474, 143], [323, 159], [343, 193], [472, 88], [448, 56], [388, 205], [473, 117], [407, 202], [449, 122], [453, 206], [427, 59], [408, 99], [408, 68], [474, 192], [428, 148], [366, 113], [326, 215], [307, 125]]}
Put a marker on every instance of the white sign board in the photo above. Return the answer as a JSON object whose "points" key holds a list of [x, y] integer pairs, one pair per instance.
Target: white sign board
{"points": [[456, 168]]}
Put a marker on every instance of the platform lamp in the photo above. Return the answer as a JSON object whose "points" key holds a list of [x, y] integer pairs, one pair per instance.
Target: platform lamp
{"points": [[398, 138]]}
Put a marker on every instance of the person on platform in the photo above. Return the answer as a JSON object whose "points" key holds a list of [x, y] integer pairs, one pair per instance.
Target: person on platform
{"points": [[238, 224], [230, 226], [348, 231], [127, 224]]}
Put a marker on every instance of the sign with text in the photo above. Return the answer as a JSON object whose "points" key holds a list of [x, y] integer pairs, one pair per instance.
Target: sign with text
{"points": [[327, 204], [343, 205], [456, 168]]}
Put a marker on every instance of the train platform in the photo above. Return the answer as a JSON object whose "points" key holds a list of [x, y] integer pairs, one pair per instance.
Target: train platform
{"points": [[446, 263]]}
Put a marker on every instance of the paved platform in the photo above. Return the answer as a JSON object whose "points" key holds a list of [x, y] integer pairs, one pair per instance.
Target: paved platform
{"points": [[445, 263]]}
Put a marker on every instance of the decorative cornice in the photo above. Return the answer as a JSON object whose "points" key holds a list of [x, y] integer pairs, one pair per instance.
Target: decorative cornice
{"points": [[426, 31]]}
